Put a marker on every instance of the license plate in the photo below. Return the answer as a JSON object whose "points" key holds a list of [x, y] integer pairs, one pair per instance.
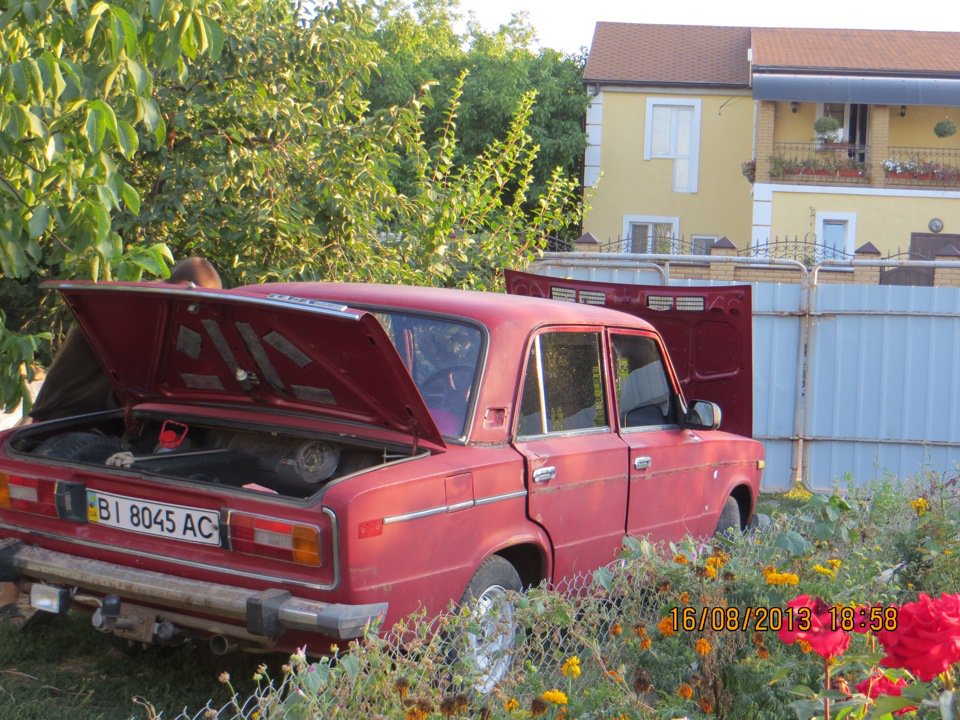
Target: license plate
{"points": [[154, 518]]}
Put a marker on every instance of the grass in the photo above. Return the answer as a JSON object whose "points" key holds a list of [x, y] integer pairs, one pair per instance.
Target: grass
{"points": [[63, 668]]}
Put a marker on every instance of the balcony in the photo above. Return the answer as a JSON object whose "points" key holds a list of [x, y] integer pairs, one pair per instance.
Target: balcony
{"points": [[819, 163]]}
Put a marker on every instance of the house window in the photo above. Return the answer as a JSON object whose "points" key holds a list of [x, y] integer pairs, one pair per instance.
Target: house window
{"points": [[651, 234], [701, 244], [672, 132], [836, 234]]}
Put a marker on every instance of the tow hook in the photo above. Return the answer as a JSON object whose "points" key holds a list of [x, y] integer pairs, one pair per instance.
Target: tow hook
{"points": [[133, 622]]}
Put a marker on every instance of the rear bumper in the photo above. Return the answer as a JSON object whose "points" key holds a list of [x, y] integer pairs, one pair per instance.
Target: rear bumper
{"points": [[266, 613]]}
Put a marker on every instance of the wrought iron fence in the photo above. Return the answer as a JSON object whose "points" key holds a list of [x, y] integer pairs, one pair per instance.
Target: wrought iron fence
{"points": [[820, 162], [806, 250], [922, 166]]}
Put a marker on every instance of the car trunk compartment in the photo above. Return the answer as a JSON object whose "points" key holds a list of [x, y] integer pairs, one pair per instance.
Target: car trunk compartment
{"points": [[285, 464]]}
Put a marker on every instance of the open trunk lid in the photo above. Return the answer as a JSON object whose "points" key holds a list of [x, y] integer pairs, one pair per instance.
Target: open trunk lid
{"points": [[199, 346], [708, 332]]}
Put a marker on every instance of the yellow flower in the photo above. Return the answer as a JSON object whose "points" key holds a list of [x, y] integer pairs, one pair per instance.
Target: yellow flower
{"points": [[640, 630], [680, 559], [703, 647], [685, 692], [834, 563], [414, 712], [948, 552], [805, 647], [557, 697], [777, 578], [645, 643], [711, 572], [571, 667], [823, 570], [920, 506], [665, 626], [511, 705], [616, 629]]}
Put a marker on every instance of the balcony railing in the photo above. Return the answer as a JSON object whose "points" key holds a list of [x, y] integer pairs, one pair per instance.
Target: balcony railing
{"points": [[820, 162], [922, 166]]}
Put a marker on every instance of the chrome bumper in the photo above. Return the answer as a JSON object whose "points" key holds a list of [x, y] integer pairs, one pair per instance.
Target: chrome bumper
{"points": [[265, 612]]}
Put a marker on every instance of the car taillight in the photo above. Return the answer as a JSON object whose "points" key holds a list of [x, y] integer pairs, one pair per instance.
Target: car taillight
{"points": [[279, 539], [39, 496], [29, 495]]}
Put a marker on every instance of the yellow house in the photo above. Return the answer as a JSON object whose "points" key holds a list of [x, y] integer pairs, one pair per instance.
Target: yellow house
{"points": [[849, 137]]}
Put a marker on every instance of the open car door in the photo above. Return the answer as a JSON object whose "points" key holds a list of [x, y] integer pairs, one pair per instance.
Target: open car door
{"points": [[707, 330]]}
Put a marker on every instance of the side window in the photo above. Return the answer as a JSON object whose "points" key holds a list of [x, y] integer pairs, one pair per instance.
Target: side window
{"points": [[643, 391], [563, 390]]}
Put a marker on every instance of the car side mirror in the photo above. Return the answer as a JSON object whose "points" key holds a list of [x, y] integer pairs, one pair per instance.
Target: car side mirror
{"points": [[703, 415]]}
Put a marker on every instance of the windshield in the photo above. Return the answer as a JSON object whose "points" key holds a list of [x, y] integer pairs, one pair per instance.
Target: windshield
{"points": [[442, 357]]}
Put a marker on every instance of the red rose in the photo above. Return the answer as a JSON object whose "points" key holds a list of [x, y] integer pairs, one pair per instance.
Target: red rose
{"points": [[927, 639], [879, 684], [815, 613]]}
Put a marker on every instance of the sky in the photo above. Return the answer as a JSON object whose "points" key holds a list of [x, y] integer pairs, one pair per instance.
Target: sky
{"points": [[567, 26]]}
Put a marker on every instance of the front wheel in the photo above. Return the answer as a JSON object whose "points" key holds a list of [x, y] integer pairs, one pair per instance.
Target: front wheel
{"points": [[490, 650], [729, 518]]}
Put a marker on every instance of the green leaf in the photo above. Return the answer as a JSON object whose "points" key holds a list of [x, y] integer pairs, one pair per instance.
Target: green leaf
{"points": [[215, 37], [96, 12], [71, 7], [20, 87], [186, 33], [156, 9], [105, 116], [142, 81], [94, 129], [101, 217], [34, 78], [890, 703], [127, 139], [129, 29], [34, 124], [793, 542], [37, 224], [153, 120], [130, 198]]}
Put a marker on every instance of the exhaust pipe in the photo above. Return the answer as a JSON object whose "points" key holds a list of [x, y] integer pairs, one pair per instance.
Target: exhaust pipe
{"points": [[221, 645]]}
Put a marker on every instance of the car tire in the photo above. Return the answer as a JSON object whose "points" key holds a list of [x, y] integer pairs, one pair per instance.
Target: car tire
{"points": [[729, 518], [490, 652], [81, 446]]}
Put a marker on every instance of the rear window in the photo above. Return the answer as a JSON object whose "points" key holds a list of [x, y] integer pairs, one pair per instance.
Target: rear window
{"points": [[443, 357]]}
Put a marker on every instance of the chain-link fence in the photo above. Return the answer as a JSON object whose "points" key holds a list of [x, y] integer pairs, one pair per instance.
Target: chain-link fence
{"points": [[618, 639]]}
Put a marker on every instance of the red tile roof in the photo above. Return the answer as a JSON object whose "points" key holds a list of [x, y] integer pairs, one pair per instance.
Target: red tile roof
{"points": [[700, 55], [899, 51], [668, 54]]}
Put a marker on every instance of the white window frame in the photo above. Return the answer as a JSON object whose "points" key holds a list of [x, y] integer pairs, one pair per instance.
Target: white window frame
{"points": [[694, 158], [849, 219], [629, 220]]}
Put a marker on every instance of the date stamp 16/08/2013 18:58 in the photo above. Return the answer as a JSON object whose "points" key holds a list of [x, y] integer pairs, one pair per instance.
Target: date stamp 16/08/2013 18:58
{"points": [[761, 619]]}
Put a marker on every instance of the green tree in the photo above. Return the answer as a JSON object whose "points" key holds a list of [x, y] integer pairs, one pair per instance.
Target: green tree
{"points": [[253, 142], [75, 88], [422, 46]]}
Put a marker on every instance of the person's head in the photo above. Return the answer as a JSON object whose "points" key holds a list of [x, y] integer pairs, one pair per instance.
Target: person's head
{"points": [[196, 270]]}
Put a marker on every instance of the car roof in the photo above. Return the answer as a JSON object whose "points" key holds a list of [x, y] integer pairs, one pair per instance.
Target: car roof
{"points": [[489, 308]]}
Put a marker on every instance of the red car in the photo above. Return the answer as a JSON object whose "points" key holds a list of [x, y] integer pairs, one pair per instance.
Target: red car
{"points": [[292, 463]]}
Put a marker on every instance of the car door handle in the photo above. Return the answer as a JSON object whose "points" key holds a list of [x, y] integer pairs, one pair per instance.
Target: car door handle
{"points": [[544, 474], [642, 462]]}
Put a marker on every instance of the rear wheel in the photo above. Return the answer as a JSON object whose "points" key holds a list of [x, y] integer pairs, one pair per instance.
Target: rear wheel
{"points": [[490, 650], [729, 518]]}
